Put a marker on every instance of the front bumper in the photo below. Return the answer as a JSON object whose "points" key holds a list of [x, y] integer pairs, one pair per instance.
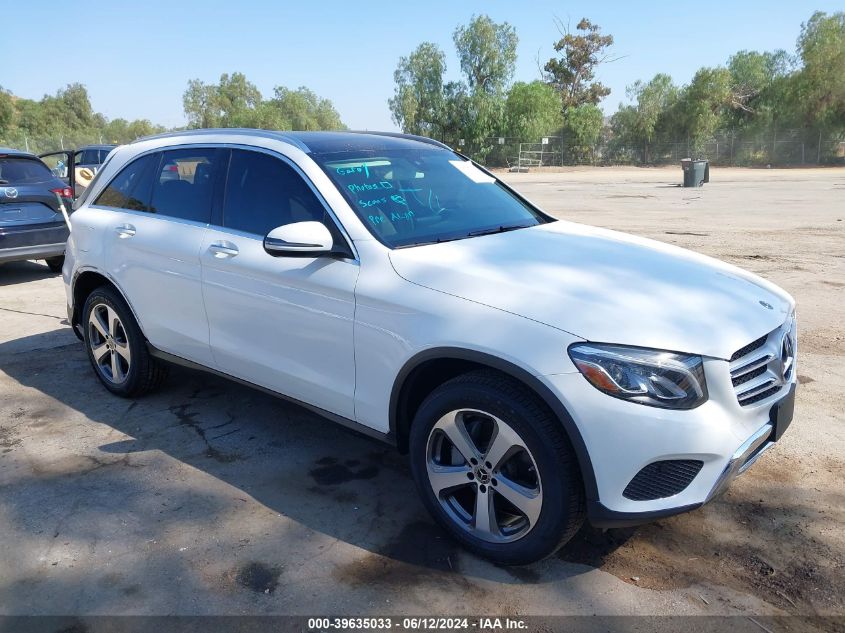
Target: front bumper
{"points": [[621, 438]]}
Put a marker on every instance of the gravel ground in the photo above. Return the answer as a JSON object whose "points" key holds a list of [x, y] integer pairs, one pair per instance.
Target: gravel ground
{"points": [[210, 498]]}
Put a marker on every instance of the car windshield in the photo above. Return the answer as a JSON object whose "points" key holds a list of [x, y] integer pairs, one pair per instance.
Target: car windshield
{"points": [[408, 197], [22, 171]]}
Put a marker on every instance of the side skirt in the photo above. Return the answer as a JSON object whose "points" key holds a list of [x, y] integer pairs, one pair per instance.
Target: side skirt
{"points": [[387, 438]]}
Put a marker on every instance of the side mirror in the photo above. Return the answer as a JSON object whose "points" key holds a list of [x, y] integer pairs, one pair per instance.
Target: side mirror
{"points": [[300, 239]]}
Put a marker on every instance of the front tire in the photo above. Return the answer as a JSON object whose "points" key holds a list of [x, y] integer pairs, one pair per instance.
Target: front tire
{"points": [[55, 263], [495, 468], [117, 348]]}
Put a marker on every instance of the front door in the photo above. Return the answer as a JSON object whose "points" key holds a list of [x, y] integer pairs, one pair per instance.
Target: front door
{"points": [[284, 323]]}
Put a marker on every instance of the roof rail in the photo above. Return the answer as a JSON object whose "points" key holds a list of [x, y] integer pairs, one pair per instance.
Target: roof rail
{"points": [[291, 138], [279, 136]]}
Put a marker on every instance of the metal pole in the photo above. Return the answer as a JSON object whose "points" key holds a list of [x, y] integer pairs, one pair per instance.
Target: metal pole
{"points": [[774, 137]]}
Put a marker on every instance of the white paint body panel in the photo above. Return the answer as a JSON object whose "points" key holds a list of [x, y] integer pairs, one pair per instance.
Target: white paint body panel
{"points": [[284, 323], [336, 333], [604, 286]]}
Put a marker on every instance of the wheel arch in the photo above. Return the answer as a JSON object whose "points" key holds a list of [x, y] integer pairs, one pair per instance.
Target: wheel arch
{"points": [[84, 283], [432, 367]]}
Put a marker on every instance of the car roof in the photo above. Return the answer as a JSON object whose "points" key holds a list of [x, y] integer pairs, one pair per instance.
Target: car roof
{"points": [[96, 147], [8, 151], [320, 142]]}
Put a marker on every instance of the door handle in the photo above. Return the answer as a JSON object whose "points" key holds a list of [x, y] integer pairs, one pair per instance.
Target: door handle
{"points": [[125, 230], [223, 249]]}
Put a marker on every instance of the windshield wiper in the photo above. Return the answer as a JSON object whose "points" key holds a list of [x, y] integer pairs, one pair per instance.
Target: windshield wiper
{"points": [[498, 229], [438, 240]]}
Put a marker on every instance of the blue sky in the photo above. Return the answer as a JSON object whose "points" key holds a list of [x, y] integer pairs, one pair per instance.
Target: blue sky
{"points": [[137, 57]]}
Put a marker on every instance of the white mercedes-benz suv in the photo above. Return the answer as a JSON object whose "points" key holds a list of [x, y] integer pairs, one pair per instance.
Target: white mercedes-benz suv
{"points": [[536, 371]]}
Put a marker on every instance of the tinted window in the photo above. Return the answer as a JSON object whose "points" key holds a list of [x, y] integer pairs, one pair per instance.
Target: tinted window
{"points": [[91, 156], [263, 192], [130, 189], [22, 171], [416, 196], [184, 183]]}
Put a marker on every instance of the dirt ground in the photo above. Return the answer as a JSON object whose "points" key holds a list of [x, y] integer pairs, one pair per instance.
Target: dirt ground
{"points": [[210, 498]]}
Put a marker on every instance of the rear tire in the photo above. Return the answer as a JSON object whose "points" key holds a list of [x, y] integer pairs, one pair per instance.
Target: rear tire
{"points": [[116, 346], [517, 496], [55, 263]]}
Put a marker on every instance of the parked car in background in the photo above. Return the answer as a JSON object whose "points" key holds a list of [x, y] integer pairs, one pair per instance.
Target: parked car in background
{"points": [[31, 223], [77, 167], [537, 371]]}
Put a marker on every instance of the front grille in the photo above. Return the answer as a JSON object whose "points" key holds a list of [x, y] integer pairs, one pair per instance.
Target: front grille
{"points": [[757, 369], [662, 479], [743, 351], [744, 378], [749, 400]]}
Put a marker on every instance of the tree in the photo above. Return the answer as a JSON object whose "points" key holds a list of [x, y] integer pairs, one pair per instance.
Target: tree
{"points": [[221, 105], [75, 106], [417, 104], [198, 101], [487, 53], [472, 109], [456, 117], [624, 128], [572, 73], [583, 128], [752, 72], [235, 102], [7, 111], [532, 110], [234, 96], [703, 104], [654, 101], [305, 110], [821, 81]]}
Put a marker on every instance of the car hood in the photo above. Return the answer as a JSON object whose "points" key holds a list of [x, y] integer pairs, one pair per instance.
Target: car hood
{"points": [[604, 286]]}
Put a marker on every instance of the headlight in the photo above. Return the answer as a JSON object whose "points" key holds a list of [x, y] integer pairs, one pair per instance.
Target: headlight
{"points": [[645, 376]]}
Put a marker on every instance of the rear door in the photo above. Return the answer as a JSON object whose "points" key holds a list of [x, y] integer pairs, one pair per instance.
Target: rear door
{"points": [[284, 323], [160, 206]]}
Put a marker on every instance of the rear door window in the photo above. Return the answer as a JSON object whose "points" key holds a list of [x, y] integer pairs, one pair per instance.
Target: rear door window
{"points": [[263, 192], [23, 171], [131, 188], [184, 182]]}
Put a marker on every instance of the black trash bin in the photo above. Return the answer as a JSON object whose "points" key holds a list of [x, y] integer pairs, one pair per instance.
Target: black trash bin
{"points": [[696, 172]]}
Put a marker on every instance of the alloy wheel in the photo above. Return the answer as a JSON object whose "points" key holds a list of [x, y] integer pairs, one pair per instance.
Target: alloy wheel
{"points": [[483, 475], [109, 343]]}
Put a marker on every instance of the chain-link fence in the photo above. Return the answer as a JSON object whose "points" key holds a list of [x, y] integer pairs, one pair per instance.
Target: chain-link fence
{"points": [[784, 148]]}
